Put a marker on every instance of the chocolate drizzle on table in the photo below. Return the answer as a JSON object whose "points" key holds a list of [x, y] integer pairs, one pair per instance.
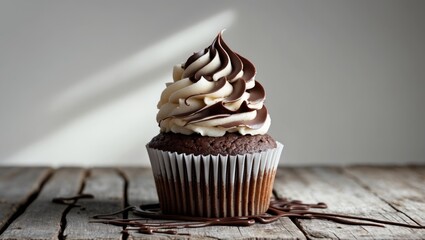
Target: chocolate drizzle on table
{"points": [[279, 208]]}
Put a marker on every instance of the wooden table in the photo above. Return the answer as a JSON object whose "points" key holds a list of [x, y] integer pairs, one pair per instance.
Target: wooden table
{"points": [[390, 193]]}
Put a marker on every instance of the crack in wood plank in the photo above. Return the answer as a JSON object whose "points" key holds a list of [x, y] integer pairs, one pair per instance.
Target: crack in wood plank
{"points": [[107, 187], [124, 235], [400, 187], [19, 188], [42, 219], [68, 209], [297, 223], [383, 199], [394, 195], [343, 195]]}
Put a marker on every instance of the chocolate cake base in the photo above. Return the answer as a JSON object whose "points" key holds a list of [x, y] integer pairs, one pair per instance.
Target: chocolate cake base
{"points": [[229, 144]]}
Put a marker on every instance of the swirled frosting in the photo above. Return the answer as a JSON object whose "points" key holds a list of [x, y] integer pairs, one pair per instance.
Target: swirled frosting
{"points": [[214, 92]]}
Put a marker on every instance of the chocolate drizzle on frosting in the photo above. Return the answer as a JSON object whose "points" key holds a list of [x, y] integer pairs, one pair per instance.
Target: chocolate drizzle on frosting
{"points": [[257, 93], [218, 85], [249, 69], [279, 208], [239, 88], [215, 111], [214, 92]]}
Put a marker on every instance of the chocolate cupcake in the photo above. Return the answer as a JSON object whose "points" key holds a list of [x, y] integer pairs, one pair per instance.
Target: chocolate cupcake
{"points": [[213, 157]]}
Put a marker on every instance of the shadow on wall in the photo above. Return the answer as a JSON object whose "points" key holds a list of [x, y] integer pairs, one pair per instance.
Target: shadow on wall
{"points": [[110, 116]]}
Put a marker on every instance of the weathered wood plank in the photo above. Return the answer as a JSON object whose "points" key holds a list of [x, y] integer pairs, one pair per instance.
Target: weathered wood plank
{"points": [[343, 195], [395, 194], [141, 186], [420, 169], [108, 189], [42, 219], [402, 187], [141, 190], [17, 186]]}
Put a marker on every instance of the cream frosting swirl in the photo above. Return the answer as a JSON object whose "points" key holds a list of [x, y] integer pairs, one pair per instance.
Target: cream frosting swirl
{"points": [[214, 92]]}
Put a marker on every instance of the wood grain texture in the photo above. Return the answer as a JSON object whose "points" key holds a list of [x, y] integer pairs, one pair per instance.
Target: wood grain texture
{"points": [[388, 193], [401, 187], [17, 186], [343, 195], [141, 186], [42, 219], [419, 169], [108, 189], [141, 189]]}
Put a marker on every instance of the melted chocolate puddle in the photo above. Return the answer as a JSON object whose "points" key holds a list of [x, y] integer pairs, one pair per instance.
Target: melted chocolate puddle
{"points": [[278, 208]]}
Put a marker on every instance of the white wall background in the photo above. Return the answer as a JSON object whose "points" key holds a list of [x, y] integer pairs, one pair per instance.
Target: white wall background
{"points": [[79, 80]]}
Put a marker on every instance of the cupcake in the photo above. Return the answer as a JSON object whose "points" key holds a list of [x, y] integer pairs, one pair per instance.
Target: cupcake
{"points": [[213, 156]]}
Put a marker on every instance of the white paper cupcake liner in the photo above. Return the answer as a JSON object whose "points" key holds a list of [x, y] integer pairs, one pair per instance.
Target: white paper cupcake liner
{"points": [[214, 186]]}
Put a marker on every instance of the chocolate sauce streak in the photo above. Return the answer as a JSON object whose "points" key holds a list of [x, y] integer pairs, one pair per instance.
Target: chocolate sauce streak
{"points": [[278, 208]]}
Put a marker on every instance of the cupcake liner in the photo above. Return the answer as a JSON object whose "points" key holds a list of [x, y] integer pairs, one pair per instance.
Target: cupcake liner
{"points": [[214, 185]]}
